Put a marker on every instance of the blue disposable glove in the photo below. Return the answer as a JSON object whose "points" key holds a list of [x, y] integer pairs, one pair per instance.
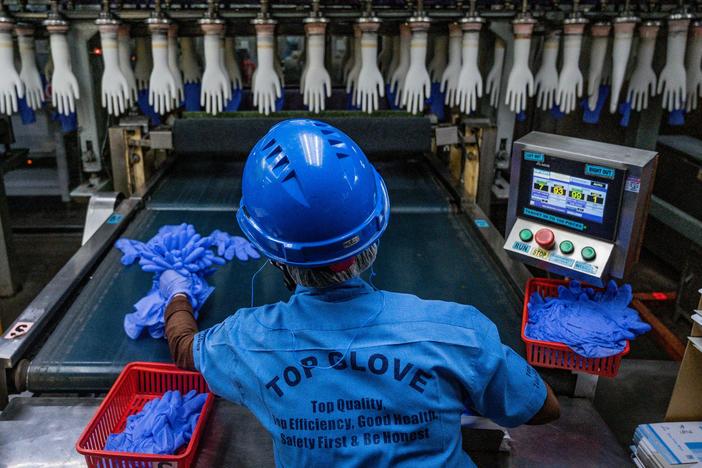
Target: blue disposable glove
{"points": [[676, 117], [391, 97], [146, 108], [229, 246], [593, 116], [192, 97], [171, 283], [625, 111], [234, 103], [593, 324], [280, 102], [162, 426], [26, 113], [521, 116], [556, 112], [69, 123], [436, 101]]}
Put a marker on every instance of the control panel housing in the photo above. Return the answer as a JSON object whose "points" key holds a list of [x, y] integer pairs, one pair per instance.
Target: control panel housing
{"points": [[578, 207]]}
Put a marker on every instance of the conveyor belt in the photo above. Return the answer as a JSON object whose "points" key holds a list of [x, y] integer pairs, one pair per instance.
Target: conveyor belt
{"points": [[433, 255], [214, 184]]}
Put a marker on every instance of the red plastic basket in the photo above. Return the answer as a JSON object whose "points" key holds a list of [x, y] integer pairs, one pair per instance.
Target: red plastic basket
{"points": [[139, 383], [557, 355]]}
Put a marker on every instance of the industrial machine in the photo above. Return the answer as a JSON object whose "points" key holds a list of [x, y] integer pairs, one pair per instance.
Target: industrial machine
{"points": [[578, 207]]}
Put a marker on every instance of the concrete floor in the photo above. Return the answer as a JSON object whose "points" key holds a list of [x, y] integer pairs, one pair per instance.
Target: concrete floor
{"points": [[47, 232]]}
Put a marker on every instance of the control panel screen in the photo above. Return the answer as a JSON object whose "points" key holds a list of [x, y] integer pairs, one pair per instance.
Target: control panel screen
{"points": [[580, 196], [570, 195]]}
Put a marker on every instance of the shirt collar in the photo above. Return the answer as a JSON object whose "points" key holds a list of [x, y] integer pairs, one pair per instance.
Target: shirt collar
{"points": [[339, 292]]}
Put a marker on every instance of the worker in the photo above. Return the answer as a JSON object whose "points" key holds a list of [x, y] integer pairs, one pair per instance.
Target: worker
{"points": [[343, 373]]}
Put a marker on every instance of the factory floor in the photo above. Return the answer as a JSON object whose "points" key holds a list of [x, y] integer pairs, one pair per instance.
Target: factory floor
{"points": [[47, 232]]}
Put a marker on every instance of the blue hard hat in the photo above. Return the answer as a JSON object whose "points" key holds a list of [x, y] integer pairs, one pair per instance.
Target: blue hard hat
{"points": [[310, 197]]}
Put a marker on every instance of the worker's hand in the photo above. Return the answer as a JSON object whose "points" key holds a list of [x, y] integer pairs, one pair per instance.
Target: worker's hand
{"points": [[162, 86], [671, 81], [125, 62], [115, 89], [370, 80], [231, 64], [470, 83], [693, 70], [142, 67], [171, 283], [188, 61], [29, 74], [493, 81], [546, 80]]}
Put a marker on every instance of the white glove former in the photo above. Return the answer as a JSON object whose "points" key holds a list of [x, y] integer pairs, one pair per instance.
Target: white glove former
{"points": [[693, 72], [520, 83], [417, 86], [643, 80], [125, 62], [386, 54], [672, 79], [11, 87], [352, 78], [470, 83], [29, 73], [598, 49], [64, 86], [570, 80], [449, 79], [395, 61], [438, 61], [397, 80], [494, 78], [230, 62], [173, 64], [188, 61], [317, 84], [546, 80], [623, 35], [370, 80], [216, 88], [163, 90], [143, 65], [266, 83], [115, 89]]}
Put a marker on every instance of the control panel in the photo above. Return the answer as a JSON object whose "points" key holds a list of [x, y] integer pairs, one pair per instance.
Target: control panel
{"points": [[577, 207]]}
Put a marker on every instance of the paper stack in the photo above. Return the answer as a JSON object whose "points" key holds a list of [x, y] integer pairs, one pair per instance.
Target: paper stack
{"points": [[663, 445]]}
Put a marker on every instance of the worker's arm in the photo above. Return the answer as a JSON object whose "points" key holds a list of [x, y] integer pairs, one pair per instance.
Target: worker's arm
{"points": [[550, 411], [180, 331]]}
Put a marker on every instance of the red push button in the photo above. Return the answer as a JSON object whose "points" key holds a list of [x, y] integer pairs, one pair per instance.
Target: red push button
{"points": [[545, 238]]}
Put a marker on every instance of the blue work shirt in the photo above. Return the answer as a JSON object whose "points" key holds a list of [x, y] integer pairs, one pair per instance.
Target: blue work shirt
{"points": [[351, 376]]}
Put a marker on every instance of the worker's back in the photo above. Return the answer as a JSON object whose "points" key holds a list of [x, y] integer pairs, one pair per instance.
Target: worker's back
{"points": [[352, 376]]}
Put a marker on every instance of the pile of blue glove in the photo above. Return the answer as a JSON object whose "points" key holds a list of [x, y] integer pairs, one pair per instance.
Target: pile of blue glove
{"points": [[593, 324], [162, 426], [180, 259]]}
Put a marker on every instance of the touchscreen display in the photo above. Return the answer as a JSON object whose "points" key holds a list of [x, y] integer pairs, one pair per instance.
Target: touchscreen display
{"points": [[570, 195]]}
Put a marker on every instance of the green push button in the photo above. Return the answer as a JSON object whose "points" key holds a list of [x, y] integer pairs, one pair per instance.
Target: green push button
{"points": [[566, 247], [588, 254], [526, 235]]}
